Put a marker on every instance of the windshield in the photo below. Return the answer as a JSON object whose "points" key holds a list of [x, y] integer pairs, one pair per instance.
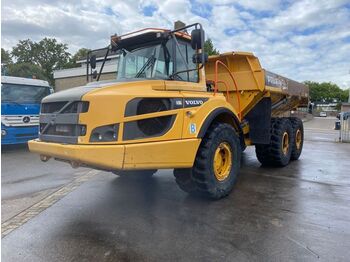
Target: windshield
{"points": [[145, 62], [14, 93]]}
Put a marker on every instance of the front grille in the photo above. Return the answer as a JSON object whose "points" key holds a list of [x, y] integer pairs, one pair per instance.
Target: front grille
{"points": [[20, 120], [65, 107], [26, 135], [63, 130], [59, 121]]}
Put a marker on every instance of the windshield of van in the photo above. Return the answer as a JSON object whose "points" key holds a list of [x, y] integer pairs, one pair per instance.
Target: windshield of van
{"points": [[13, 93]]}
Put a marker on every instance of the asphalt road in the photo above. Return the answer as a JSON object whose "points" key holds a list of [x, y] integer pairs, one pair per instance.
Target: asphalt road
{"points": [[297, 213]]}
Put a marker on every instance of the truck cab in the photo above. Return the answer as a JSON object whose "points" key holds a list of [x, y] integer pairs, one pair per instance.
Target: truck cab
{"points": [[20, 106]]}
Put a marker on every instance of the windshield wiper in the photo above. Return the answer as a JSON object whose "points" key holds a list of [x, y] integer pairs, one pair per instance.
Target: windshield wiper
{"points": [[149, 63]]}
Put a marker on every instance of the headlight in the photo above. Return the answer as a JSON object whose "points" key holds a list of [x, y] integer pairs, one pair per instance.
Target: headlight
{"points": [[107, 133], [3, 132]]}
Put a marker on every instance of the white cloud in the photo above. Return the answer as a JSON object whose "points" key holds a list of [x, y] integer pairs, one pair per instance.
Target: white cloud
{"points": [[304, 40]]}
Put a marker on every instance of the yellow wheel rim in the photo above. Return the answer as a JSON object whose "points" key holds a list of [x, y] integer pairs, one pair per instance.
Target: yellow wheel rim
{"points": [[298, 139], [222, 161], [285, 143]]}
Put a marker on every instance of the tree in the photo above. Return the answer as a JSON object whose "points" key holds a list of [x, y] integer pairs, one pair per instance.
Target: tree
{"points": [[326, 92], [27, 70], [24, 51], [209, 47], [79, 55], [48, 54], [5, 57]]}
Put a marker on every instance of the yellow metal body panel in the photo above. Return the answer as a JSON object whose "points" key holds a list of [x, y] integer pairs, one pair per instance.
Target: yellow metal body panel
{"points": [[102, 156], [167, 154], [107, 106], [198, 115]]}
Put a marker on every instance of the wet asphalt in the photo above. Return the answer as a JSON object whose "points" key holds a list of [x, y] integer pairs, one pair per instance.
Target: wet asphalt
{"points": [[297, 213]]}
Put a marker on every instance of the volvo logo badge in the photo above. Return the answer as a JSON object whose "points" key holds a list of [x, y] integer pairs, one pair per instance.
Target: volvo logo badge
{"points": [[26, 119]]}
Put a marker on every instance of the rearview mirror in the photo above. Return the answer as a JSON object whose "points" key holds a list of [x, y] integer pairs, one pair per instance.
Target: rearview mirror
{"points": [[197, 38], [200, 58], [93, 61]]}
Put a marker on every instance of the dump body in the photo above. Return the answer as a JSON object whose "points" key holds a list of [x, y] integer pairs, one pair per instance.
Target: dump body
{"points": [[253, 83]]}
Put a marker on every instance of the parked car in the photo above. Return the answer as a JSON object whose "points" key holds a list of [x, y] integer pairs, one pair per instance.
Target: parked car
{"points": [[323, 114]]}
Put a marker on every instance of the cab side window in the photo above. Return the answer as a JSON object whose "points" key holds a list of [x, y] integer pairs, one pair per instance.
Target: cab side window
{"points": [[184, 62]]}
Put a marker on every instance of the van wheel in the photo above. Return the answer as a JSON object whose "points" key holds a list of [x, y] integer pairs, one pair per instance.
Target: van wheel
{"points": [[298, 133], [216, 165], [278, 152], [136, 173]]}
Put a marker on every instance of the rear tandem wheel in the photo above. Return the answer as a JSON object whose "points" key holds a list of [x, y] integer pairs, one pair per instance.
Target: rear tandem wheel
{"points": [[279, 151]]}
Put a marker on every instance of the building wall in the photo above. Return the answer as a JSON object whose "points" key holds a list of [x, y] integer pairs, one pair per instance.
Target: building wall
{"points": [[69, 82], [345, 107]]}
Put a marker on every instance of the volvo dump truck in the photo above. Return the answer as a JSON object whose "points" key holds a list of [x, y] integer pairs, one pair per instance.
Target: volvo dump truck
{"points": [[171, 106]]}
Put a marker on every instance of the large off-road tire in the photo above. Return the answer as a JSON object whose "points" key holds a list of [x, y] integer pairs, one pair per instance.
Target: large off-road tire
{"points": [[298, 134], [136, 173], [278, 152], [216, 165]]}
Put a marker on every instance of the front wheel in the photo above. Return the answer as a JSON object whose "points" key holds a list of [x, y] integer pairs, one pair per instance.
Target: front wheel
{"points": [[216, 165]]}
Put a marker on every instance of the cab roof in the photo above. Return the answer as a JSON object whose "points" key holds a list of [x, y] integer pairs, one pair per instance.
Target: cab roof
{"points": [[143, 36], [23, 81]]}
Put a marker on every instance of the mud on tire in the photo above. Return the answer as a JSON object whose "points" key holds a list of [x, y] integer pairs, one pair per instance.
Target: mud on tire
{"points": [[278, 152], [202, 179]]}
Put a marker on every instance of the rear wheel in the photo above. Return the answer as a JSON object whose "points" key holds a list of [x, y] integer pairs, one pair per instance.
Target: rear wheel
{"points": [[136, 173], [278, 152], [216, 165], [298, 133]]}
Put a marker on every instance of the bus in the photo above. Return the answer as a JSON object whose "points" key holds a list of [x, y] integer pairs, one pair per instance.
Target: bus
{"points": [[20, 106]]}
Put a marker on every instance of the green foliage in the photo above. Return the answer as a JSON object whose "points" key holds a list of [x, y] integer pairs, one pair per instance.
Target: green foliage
{"points": [[326, 92], [27, 70], [5, 57], [79, 55], [209, 47], [24, 51], [47, 54]]}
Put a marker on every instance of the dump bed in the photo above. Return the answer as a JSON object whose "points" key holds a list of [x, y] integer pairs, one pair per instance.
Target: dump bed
{"points": [[244, 77], [286, 94]]}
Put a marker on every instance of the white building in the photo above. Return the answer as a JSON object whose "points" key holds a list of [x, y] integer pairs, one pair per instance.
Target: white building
{"points": [[72, 77]]}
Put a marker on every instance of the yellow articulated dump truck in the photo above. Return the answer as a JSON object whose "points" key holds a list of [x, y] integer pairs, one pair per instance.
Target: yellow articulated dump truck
{"points": [[171, 106]]}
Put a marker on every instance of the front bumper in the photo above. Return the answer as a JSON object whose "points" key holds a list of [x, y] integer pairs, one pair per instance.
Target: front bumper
{"points": [[18, 135], [153, 155]]}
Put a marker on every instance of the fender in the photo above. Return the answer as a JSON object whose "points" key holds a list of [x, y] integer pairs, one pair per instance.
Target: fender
{"points": [[211, 117]]}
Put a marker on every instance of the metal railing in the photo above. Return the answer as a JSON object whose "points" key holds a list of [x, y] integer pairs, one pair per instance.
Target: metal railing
{"points": [[217, 81], [344, 131]]}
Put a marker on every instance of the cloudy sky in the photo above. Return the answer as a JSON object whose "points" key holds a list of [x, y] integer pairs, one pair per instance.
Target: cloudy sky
{"points": [[304, 40]]}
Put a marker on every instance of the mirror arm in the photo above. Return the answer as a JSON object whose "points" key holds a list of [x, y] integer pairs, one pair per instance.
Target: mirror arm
{"points": [[87, 66], [103, 64]]}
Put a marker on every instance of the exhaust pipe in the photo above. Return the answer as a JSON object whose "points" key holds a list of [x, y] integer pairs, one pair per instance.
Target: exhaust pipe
{"points": [[44, 158]]}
